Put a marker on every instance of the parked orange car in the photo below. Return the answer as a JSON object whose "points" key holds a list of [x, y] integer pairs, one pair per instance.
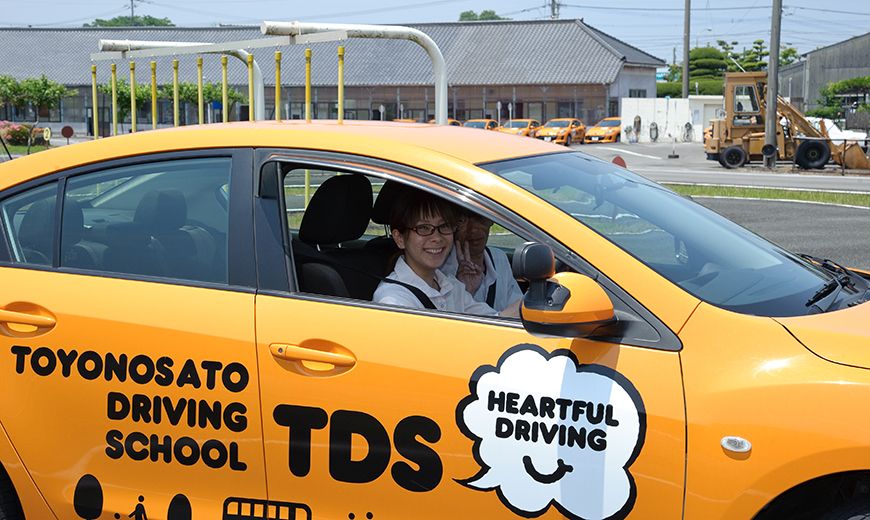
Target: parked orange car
{"points": [[526, 127], [486, 124], [450, 122], [563, 131], [186, 335], [606, 131]]}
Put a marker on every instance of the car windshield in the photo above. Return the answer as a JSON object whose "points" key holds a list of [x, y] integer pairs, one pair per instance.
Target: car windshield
{"points": [[557, 124], [518, 124], [606, 122], [475, 124], [697, 249]]}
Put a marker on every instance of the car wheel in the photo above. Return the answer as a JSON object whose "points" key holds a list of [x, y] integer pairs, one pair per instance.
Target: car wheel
{"points": [[854, 510], [568, 140], [732, 157], [10, 507], [812, 155]]}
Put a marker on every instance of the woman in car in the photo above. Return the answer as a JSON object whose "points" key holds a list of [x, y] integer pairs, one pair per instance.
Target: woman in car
{"points": [[422, 226]]}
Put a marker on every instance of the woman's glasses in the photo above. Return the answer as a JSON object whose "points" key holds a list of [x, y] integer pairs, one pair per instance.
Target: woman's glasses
{"points": [[425, 230]]}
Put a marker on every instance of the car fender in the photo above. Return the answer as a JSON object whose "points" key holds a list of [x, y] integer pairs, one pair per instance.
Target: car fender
{"points": [[32, 502]]}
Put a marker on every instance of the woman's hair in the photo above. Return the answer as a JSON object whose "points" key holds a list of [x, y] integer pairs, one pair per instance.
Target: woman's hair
{"points": [[414, 205]]}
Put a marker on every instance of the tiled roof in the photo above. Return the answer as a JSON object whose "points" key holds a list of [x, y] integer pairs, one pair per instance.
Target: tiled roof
{"points": [[476, 53]]}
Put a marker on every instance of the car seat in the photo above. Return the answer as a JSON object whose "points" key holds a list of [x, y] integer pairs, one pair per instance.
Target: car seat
{"points": [[76, 251], [36, 232], [338, 213]]}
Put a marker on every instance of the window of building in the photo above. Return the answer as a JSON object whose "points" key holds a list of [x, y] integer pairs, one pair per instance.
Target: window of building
{"points": [[637, 92]]}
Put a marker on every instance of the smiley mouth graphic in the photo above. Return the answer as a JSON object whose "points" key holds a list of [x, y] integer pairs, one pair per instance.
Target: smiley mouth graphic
{"points": [[562, 469]]}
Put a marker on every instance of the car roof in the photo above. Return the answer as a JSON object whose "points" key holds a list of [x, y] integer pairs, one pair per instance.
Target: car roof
{"points": [[424, 146]]}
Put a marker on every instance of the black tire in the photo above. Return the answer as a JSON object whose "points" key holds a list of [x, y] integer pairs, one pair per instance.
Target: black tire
{"points": [[568, 140], [732, 157], [855, 510], [812, 155], [10, 507]]}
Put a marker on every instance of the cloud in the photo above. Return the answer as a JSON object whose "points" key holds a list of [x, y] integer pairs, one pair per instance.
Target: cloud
{"points": [[548, 431]]}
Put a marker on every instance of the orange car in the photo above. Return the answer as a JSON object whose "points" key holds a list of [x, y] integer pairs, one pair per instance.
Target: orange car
{"points": [[486, 124], [526, 127], [186, 334], [606, 131], [563, 131], [450, 122]]}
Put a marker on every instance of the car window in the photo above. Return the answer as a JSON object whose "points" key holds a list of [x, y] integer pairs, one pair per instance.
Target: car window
{"points": [[166, 219], [697, 249], [28, 219], [342, 247]]}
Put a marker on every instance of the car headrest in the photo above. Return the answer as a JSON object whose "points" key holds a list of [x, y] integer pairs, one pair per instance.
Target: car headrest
{"points": [[164, 210], [386, 199], [37, 225], [73, 227], [338, 211]]}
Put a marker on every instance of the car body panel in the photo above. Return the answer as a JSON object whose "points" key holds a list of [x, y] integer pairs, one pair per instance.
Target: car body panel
{"points": [[746, 376], [153, 321], [417, 366], [603, 134], [836, 336]]}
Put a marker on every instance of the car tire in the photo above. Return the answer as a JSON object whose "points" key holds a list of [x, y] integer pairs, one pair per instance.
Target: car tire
{"points": [[568, 140], [812, 155], [732, 157], [855, 510], [10, 507]]}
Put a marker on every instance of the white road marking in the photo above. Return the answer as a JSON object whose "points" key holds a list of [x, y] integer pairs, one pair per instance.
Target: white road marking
{"points": [[620, 150]]}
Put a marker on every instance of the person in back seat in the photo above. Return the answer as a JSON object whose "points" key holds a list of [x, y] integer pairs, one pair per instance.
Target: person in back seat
{"points": [[422, 226], [486, 271]]}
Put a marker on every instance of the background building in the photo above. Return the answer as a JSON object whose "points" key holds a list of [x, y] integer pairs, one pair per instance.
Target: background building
{"points": [[802, 81], [543, 69]]}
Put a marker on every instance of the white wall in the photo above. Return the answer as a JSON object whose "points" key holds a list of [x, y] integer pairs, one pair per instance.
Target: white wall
{"points": [[670, 115]]}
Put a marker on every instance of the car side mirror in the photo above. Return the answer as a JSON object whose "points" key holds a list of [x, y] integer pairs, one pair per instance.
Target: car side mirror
{"points": [[558, 304]]}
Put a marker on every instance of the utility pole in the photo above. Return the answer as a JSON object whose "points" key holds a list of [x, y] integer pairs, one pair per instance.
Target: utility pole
{"points": [[687, 16], [132, 11], [770, 119], [554, 9]]}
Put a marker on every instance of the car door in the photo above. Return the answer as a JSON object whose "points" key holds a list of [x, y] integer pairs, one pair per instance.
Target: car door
{"points": [[129, 384], [372, 411]]}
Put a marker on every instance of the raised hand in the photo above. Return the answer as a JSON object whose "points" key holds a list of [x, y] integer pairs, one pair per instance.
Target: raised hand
{"points": [[468, 272]]}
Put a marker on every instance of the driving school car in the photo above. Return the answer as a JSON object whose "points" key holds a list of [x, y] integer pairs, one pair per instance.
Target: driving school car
{"points": [[562, 131], [606, 131], [523, 127], [185, 334]]}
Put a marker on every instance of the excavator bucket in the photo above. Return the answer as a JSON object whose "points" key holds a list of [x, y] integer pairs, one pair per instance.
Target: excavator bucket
{"points": [[854, 157]]}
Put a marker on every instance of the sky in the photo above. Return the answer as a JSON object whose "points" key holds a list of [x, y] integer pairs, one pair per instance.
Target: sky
{"points": [[653, 26]]}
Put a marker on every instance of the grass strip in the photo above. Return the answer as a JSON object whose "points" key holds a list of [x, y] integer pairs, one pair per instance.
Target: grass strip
{"points": [[827, 197]]}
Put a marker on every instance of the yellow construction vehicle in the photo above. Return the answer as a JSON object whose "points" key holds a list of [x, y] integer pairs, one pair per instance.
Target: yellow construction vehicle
{"points": [[738, 137]]}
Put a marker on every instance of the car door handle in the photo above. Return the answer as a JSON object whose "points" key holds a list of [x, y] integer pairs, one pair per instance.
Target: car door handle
{"points": [[297, 353], [24, 318]]}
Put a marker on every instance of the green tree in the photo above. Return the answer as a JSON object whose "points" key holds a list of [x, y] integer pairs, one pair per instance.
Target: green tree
{"points": [[10, 90], [706, 63], [39, 93], [486, 14], [755, 58], [728, 54], [188, 93], [122, 91], [135, 21], [788, 55]]}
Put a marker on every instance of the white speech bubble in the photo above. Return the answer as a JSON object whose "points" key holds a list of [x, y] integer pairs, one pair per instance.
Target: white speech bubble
{"points": [[549, 431]]}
